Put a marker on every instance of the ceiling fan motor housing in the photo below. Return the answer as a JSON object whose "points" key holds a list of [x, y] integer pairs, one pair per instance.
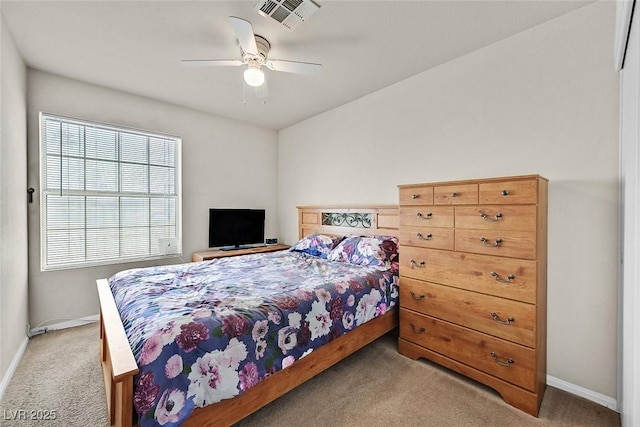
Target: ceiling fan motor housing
{"points": [[263, 46]]}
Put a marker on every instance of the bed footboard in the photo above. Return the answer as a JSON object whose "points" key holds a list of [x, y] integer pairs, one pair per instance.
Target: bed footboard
{"points": [[116, 358]]}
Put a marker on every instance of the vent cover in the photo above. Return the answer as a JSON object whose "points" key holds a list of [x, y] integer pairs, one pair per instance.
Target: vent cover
{"points": [[289, 13]]}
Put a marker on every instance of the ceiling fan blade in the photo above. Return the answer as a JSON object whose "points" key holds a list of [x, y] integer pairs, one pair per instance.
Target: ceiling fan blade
{"points": [[211, 62], [246, 37], [294, 67]]}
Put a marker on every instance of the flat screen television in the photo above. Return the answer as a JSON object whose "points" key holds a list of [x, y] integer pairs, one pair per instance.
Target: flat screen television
{"points": [[236, 228]]}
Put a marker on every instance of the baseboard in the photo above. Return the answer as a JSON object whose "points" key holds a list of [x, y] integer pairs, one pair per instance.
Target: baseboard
{"points": [[591, 395], [12, 367], [66, 324]]}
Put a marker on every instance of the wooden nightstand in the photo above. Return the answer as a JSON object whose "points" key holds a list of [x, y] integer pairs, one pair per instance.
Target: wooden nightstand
{"points": [[217, 253]]}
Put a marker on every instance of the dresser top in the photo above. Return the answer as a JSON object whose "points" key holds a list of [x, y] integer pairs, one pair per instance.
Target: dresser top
{"points": [[475, 181]]}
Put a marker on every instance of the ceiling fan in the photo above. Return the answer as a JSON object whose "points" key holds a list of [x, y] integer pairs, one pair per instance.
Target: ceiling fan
{"points": [[254, 51]]}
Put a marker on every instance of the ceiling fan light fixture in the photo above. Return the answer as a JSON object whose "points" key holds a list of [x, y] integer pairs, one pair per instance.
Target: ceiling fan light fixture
{"points": [[254, 76]]}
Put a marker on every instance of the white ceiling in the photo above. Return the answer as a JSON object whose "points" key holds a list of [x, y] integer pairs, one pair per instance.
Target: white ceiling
{"points": [[136, 47]]}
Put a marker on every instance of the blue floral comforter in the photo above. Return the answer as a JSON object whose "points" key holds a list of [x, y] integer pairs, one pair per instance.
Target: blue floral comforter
{"points": [[208, 331]]}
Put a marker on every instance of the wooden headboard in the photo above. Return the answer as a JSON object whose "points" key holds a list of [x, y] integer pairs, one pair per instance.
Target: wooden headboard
{"points": [[343, 221]]}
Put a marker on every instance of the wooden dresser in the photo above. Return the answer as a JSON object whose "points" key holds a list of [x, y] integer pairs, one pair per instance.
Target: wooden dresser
{"points": [[473, 281]]}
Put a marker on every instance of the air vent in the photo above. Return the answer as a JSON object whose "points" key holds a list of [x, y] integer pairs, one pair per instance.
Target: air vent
{"points": [[289, 13]]}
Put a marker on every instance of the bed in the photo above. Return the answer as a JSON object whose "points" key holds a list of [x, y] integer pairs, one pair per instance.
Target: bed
{"points": [[248, 373]]}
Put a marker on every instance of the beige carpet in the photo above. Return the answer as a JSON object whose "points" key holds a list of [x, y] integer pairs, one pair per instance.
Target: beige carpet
{"points": [[374, 387]]}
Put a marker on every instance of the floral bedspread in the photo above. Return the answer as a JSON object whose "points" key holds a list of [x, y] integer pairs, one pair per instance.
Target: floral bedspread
{"points": [[208, 331]]}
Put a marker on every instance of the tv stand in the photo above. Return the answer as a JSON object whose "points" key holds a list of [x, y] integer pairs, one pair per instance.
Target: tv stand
{"points": [[237, 248], [217, 253]]}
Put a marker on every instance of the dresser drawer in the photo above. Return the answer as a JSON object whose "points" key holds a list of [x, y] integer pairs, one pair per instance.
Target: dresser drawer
{"points": [[509, 192], [496, 217], [416, 196], [427, 237], [507, 319], [513, 244], [504, 277], [427, 216], [458, 194], [503, 359]]}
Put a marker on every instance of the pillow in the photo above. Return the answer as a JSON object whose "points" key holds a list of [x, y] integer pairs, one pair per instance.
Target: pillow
{"points": [[315, 244], [374, 251]]}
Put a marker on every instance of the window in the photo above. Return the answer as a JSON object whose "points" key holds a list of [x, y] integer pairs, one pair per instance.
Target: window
{"points": [[108, 194]]}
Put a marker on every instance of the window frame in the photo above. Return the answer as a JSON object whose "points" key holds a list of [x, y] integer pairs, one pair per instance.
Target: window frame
{"points": [[43, 192]]}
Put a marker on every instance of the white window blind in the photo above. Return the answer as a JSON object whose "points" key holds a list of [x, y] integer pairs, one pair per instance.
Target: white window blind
{"points": [[108, 194]]}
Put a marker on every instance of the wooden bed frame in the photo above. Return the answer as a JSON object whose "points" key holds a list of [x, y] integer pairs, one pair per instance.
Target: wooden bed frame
{"points": [[119, 365]]}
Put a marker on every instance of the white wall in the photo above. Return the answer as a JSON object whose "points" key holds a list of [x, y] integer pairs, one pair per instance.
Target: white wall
{"points": [[13, 200], [225, 164], [544, 101]]}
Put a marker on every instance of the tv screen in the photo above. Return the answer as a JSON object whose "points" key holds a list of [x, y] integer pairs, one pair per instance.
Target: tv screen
{"points": [[235, 227]]}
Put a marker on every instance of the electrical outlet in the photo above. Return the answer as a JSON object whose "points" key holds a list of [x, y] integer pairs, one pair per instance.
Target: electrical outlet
{"points": [[169, 246]]}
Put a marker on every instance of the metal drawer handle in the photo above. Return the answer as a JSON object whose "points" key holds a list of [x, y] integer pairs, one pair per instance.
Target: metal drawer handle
{"points": [[416, 264], [417, 297], [485, 217], [492, 245], [415, 196], [423, 237], [505, 192], [428, 215], [496, 317], [416, 330], [454, 194], [497, 278], [506, 362]]}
